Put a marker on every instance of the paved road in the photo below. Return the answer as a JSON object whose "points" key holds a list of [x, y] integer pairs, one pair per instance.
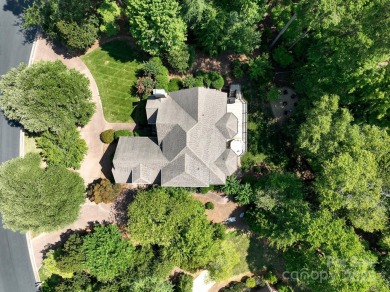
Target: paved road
{"points": [[16, 274]]}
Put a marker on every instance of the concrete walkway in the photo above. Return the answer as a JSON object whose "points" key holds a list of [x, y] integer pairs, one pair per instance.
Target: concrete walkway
{"points": [[90, 167]]}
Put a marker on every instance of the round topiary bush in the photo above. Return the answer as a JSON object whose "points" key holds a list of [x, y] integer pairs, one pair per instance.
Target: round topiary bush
{"points": [[122, 133], [107, 136], [174, 84], [217, 81], [103, 191], [209, 206]]}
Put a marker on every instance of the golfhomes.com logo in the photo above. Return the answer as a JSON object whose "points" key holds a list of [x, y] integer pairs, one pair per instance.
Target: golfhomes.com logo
{"points": [[349, 270]]}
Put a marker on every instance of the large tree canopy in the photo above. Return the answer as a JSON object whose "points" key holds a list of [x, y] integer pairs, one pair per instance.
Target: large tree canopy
{"points": [[171, 219], [156, 25], [352, 162], [66, 147], [346, 50], [72, 22], [46, 96], [37, 199]]}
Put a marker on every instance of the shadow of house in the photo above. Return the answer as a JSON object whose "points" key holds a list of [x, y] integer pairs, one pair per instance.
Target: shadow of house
{"points": [[106, 161]]}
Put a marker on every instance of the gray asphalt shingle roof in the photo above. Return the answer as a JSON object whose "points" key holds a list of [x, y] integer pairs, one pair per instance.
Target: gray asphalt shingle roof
{"points": [[191, 148]]}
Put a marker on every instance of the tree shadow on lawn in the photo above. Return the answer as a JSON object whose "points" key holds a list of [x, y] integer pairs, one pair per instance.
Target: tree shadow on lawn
{"points": [[124, 51], [106, 161], [263, 257]]}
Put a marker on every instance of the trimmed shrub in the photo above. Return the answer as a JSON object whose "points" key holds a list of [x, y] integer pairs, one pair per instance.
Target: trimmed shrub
{"points": [[282, 56], [209, 206], [145, 86], [122, 133], [178, 58], [217, 81], [107, 136], [185, 283], [103, 191], [204, 190], [174, 84], [250, 282], [190, 82], [155, 69]]}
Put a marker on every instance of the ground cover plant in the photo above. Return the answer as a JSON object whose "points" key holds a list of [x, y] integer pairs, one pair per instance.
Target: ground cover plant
{"points": [[114, 67]]}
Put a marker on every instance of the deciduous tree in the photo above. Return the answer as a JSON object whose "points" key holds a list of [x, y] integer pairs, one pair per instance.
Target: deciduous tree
{"points": [[156, 25], [37, 199], [46, 96]]}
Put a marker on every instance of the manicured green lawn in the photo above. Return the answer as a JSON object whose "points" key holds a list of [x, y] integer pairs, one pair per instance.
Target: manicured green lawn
{"points": [[114, 67]]}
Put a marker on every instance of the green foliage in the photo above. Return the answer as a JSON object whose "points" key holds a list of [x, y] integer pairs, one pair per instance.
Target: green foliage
{"points": [[204, 190], [217, 81], [171, 219], [107, 254], [280, 214], [190, 82], [122, 133], [152, 284], [271, 278], [233, 25], [231, 186], [156, 25], [179, 57], [242, 193], [209, 206], [71, 259], [107, 136], [145, 86], [25, 188], [260, 69], [72, 22], [356, 68], [250, 282], [103, 191], [155, 69], [49, 267], [282, 56], [109, 12], [224, 261], [175, 84], [284, 288], [64, 147], [46, 96], [238, 72], [350, 160], [185, 283], [273, 94]]}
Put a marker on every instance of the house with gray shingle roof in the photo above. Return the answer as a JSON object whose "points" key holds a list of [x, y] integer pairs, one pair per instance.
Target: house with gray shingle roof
{"points": [[195, 132]]}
